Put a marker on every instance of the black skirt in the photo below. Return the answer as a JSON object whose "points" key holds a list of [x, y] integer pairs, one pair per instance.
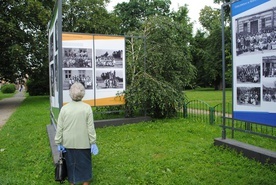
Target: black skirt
{"points": [[79, 165]]}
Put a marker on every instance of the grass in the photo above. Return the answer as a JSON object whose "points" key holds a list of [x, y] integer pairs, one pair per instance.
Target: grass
{"points": [[164, 152], [209, 95], [6, 95]]}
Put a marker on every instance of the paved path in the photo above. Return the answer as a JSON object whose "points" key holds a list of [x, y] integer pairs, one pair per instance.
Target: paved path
{"points": [[9, 105]]}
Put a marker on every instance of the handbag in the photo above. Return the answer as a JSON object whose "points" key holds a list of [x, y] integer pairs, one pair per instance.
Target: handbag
{"points": [[61, 169]]}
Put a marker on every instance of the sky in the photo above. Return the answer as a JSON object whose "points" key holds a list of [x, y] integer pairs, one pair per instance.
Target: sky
{"points": [[194, 7]]}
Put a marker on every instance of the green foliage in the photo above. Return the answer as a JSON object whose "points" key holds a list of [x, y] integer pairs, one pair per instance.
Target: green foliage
{"points": [[158, 76], [206, 49], [23, 37], [200, 57], [38, 83], [8, 88], [88, 16], [4, 95], [158, 97], [134, 13], [170, 151], [108, 112], [37, 87]]}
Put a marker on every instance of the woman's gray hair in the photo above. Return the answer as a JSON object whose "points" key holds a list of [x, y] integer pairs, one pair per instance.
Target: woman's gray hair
{"points": [[77, 91]]}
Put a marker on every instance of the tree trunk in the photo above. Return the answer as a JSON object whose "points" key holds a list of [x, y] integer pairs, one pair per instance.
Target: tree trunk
{"points": [[218, 84]]}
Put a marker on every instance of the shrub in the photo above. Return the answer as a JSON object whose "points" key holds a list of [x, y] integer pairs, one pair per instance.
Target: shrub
{"points": [[8, 88], [37, 87]]}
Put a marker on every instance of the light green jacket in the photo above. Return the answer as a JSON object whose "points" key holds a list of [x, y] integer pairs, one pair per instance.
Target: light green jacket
{"points": [[75, 127]]}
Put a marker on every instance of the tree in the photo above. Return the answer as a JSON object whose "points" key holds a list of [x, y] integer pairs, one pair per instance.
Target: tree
{"points": [[135, 12], [24, 40], [23, 37], [210, 20], [201, 56], [168, 69], [89, 16]]}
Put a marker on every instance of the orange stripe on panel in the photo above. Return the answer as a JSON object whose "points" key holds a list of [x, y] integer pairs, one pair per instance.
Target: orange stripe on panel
{"points": [[69, 36], [104, 37], [110, 101]]}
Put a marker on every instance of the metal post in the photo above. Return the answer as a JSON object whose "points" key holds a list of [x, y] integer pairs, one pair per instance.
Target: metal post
{"points": [[223, 67], [145, 66], [211, 115], [223, 71], [185, 110]]}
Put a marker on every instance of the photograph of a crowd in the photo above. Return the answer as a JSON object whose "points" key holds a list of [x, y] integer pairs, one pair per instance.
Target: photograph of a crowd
{"points": [[248, 96], [82, 76], [106, 79], [249, 73], [77, 58], [269, 66], [256, 33], [109, 58]]}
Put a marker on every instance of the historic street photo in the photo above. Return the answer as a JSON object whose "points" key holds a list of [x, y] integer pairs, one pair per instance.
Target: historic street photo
{"points": [[256, 33], [82, 76], [269, 66]]}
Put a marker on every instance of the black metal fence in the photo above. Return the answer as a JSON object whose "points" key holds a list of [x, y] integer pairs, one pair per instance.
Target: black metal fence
{"points": [[200, 110]]}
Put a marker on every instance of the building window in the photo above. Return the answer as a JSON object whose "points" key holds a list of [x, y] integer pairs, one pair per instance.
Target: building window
{"points": [[263, 23], [67, 74], [245, 27]]}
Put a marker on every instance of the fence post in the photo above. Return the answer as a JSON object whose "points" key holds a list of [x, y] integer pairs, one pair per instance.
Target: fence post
{"points": [[248, 126], [211, 115], [185, 113]]}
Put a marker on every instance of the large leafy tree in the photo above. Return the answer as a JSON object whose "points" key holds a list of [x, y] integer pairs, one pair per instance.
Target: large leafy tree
{"points": [[210, 19], [89, 16], [135, 12], [22, 37], [24, 40], [158, 82], [201, 56]]}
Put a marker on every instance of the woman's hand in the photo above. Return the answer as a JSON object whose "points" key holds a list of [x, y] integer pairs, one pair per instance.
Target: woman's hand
{"points": [[94, 149]]}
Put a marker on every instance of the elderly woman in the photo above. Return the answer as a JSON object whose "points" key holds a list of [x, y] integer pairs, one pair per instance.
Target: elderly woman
{"points": [[76, 136]]}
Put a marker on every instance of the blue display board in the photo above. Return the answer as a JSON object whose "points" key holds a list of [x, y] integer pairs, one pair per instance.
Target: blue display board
{"points": [[254, 61]]}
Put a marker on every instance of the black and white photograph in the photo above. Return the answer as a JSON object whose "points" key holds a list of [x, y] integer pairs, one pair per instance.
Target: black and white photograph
{"points": [[249, 73], [269, 67], [256, 33], [77, 58], [269, 91], [109, 79], [109, 58], [56, 35], [56, 72], [51, 47], [83, 76], [249, 96], [52, 78]]}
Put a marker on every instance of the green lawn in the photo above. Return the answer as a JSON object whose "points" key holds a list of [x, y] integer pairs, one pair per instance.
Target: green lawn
{"points": [[163, 152], [209, 96], [6, 95]]}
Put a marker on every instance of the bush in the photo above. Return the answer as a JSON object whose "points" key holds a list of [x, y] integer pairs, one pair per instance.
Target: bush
{"points": [[8, 88], [37, 87]]}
